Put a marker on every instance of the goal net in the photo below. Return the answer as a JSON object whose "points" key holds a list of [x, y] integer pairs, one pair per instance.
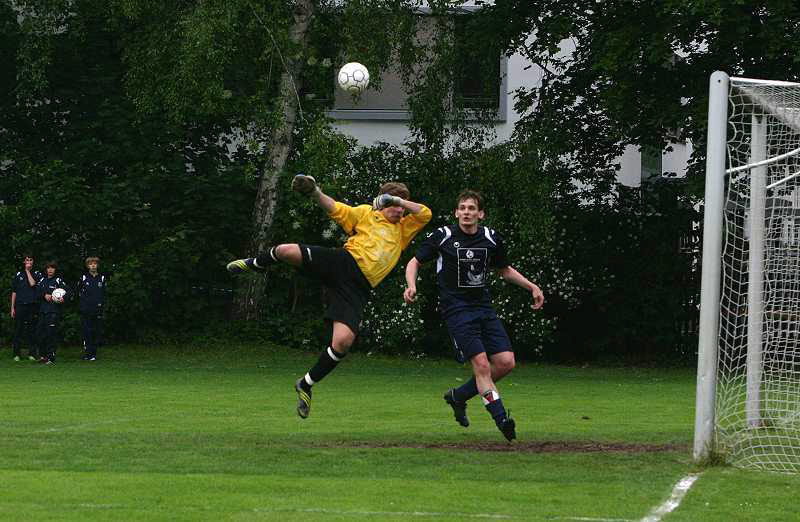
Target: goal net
{"points": [[755, 416]]}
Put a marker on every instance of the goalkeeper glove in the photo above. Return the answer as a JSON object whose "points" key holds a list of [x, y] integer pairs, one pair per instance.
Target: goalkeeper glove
{"points": [[305, 185], [386, 200]]}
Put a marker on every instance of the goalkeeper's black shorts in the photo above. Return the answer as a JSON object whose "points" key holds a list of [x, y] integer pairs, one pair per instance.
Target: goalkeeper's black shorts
{"points": [[347, 288]]}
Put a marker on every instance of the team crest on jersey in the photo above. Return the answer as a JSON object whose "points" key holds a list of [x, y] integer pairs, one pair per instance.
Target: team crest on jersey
{"points": [[472, 267]]}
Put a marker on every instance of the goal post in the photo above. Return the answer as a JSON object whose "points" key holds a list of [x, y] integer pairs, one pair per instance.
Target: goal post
{"points": [[748, 372], [711, 266]]}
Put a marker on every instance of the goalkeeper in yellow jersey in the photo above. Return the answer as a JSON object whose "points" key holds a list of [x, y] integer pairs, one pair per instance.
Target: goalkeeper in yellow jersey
{"points": [[378, 234]]}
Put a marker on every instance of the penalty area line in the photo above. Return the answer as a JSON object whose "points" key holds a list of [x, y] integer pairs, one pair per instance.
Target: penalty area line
{"points": [[106, 422], [678, 492], [594, 519], [364, 513]]}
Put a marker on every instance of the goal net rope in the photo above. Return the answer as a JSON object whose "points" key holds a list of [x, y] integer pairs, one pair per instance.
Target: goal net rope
{"points": [[758, 372]]}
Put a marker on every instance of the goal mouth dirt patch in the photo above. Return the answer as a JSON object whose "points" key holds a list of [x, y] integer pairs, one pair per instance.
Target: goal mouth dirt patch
{"points": [[559, 446]]}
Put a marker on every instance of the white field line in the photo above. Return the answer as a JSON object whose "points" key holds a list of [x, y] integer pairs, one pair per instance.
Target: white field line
{"points": [[364, 513], [408, 514], [678, 492], [102, 506], [85, 425], [594, 519], [430, 514]]}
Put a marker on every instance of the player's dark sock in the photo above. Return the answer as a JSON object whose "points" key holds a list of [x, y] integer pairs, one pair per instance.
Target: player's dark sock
{"points": [[494, 405], [303, 383], [265, 260], [466, 391], [325, 364]]}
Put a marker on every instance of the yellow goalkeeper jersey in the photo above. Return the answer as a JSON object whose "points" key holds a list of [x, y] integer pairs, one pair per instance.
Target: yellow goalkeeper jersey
{"points": [[374, 242]]}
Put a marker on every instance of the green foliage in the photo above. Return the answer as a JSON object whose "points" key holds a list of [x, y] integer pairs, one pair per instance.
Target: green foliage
{"points": [[389, 325], [90, 176], [636, 73], [612, 300], [137, 131]]}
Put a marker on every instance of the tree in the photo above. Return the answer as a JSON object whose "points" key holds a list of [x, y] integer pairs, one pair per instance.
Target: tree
{"points": [[618, 73], [84, 173], [224, 76], [279, 146]]}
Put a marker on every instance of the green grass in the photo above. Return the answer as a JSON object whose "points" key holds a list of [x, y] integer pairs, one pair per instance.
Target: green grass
{"points": [[210, 433]]}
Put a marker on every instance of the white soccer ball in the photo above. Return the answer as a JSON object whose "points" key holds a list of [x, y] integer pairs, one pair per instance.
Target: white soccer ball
{"points": [[353, 78], [58, 295]]}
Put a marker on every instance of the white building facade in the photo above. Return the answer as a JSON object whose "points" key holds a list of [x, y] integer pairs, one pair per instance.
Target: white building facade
{"points": [[383, 117]]}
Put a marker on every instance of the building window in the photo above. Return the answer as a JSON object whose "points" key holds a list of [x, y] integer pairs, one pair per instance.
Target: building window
{"points": [[479, 82], [478, 74], [389, 103], [651, 163]]}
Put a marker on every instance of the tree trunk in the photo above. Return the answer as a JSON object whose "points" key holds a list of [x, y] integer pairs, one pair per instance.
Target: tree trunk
{"points": [[248, 299]]}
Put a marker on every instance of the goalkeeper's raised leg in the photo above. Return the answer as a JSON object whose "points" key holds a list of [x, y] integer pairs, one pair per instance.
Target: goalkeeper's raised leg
{"points": [[377, 234]]}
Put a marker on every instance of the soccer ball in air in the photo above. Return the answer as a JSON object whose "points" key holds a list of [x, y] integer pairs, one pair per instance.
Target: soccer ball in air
{"points": [[58, 295], [353, 78]]}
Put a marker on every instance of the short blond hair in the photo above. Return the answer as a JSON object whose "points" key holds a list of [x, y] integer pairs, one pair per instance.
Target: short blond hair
{"points": [[90, 259]]}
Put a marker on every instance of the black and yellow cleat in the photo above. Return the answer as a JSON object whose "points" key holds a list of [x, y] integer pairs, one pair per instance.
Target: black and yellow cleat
{"points": [[508, 428], [244, 265], [303, 184], [459, 408], [303, 400]]}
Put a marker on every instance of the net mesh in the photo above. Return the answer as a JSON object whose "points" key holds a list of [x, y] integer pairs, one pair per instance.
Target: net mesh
{"points": [[758, 384]]}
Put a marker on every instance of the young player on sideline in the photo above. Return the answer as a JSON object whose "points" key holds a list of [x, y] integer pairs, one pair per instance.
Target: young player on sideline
{"points": [[49, 313], [464, 255], [24, 305], [91, 292], [378, 234]]}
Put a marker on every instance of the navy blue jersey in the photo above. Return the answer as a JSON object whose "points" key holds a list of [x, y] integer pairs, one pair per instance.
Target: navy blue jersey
{"points": [[462, 265], [46, 287], [91, 292], [26, 294]]}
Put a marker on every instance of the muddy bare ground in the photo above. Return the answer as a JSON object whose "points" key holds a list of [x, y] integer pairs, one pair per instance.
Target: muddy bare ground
{"points": [[554, 446]]}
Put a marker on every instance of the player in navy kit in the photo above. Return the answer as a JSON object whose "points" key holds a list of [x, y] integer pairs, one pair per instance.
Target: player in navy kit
{"points": [[464, 255], [24, 306], [91, 292], [49, 313]]}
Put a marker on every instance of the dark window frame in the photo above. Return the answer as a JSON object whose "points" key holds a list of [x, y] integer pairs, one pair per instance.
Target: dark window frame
{"points": [[378, 114]]}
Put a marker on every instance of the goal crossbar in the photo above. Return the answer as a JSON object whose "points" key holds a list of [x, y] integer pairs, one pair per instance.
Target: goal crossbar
{"points": [[788, 112]]}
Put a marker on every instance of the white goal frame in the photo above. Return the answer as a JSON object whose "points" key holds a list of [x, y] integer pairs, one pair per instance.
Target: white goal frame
{"points": [[717, 159]]}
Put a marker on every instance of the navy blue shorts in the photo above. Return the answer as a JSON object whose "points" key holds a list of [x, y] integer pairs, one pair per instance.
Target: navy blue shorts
{"points": [[477, 331]]}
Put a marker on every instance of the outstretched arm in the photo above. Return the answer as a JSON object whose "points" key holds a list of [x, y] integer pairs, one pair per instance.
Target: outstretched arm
{"points": [[323, 200], [512, 276], [307, 186], [412, 269]]}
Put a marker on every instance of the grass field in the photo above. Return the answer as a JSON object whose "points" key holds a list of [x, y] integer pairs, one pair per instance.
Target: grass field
{"points": [[149, 433]]}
